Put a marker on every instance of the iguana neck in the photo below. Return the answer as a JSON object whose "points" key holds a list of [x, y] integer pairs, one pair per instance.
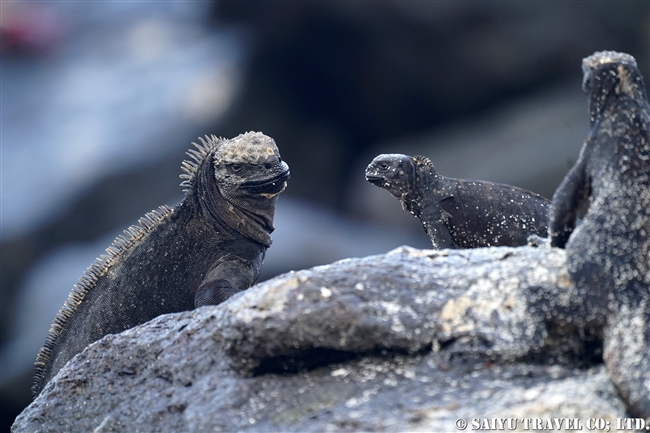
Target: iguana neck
{"points": [[251, 217], [426, 187]]}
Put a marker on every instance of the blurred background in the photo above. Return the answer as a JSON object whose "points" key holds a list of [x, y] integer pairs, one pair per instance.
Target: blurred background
{"points": [[100, 100]]}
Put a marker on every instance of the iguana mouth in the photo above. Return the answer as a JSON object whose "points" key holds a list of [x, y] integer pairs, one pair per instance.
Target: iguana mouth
{"points": [[268, 186], [376, 180]]}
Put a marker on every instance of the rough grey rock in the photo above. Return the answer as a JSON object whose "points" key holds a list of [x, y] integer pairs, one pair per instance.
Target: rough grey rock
{"points": [[409, 340]]}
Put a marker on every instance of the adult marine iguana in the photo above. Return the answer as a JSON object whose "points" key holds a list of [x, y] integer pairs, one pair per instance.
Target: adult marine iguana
{"points": [[200, 252], [608, 255], [459, 213]]}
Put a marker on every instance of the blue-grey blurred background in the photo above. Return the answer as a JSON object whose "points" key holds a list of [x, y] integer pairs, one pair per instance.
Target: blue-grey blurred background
{"points": [[100, 100]]}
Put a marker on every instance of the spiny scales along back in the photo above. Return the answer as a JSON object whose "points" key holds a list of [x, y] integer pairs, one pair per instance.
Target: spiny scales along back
{"points": [[200, 252], [608, 255], [460, 213]]}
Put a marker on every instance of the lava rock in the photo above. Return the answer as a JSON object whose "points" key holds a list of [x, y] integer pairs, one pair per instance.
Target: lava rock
{"points": [[409, 340]]}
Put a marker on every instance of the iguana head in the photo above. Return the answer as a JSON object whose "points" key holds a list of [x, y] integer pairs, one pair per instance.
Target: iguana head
{"points": [[393, 172], [237, 182], [608, 74], [406, 177], [400, 174], [250, 166]]}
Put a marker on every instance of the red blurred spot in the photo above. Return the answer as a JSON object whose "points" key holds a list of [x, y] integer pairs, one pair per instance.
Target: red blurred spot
{"points": [[29, 29]]}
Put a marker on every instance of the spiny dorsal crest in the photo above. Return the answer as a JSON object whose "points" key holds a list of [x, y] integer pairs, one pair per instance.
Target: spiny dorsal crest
{"points": [[424, 162], [114, 252], [247, 148], [197, 156], [88, 281]]}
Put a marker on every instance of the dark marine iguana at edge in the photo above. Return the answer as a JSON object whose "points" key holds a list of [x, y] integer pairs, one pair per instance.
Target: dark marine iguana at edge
{"points": [[200, 252], [608, 255], [459, 213]]}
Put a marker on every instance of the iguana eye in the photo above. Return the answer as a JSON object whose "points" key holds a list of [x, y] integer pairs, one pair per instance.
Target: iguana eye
{"points": [[236, 167], [383, 165]]}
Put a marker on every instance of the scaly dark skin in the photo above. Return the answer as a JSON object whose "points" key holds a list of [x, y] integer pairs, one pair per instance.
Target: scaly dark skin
{"points": [[459, 213], [200, 252], [608, 255]]}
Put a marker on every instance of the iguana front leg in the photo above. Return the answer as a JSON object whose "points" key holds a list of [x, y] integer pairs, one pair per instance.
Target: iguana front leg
{"points": [[434, 219], [566, 202], [439, 235], [228, 277]]}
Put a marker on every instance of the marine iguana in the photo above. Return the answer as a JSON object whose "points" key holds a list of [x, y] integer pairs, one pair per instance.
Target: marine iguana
{"points": [[207, 248], [608, 255], [459, 213]]}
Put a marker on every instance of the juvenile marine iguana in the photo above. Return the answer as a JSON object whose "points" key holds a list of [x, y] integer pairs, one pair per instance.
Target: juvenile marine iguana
{"points": [[200, 252], [608, 255], [459, 213]]}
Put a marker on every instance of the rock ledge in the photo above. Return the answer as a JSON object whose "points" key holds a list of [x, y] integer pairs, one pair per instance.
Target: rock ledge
{"points": [[409, 340]]}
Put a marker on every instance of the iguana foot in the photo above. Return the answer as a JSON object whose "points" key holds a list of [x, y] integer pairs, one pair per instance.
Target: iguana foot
{"points": [[213, 293], [538, 241]]}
